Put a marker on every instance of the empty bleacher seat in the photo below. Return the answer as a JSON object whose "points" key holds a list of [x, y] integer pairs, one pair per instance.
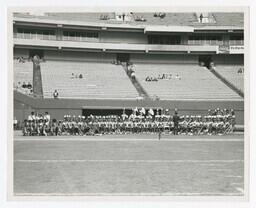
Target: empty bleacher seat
{"points": [[230, 73], [196, 82], [100, 80], [23, 72]]}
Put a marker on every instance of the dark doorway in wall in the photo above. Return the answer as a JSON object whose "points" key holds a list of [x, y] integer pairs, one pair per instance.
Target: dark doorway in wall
{"points": [[105, 112], [205, 60], [33, 52], [123, 57]]}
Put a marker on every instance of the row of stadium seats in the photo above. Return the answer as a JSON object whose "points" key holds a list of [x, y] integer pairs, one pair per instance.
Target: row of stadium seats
{"points": [[186, 19], [23, 72], [105, 80], [100, 80], [230, 73], [196, 82], [170, 18], [226, 18]]}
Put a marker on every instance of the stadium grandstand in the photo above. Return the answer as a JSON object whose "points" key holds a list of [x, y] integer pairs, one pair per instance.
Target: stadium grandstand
{"points": [[131, 103], [86, 58]]}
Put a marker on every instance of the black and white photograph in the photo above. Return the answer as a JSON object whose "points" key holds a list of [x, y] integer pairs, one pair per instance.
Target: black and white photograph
{"points": [[129, 102]]}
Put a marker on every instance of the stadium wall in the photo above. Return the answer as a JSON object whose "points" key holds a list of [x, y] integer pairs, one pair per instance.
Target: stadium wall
{"points": [[60, 107], [164, 58], [20, 52], [237, 59], [79, 56], [69, 55]]}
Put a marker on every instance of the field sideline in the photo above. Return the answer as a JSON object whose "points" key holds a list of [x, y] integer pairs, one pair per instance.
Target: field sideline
{"points": [[129, 165]]}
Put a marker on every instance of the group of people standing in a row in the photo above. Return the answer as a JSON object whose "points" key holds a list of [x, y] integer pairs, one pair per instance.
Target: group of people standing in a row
{"points": [[214, 122]]}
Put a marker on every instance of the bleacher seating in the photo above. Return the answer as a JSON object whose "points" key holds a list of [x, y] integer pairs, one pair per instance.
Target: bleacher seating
{"points": [[23, 72], [104, 80], [226, 18], [178, 18], [100, 80], [195, 83], [230, 73]]}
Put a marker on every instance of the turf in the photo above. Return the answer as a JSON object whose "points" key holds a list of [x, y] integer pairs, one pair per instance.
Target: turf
{"points": [[129, 164]]}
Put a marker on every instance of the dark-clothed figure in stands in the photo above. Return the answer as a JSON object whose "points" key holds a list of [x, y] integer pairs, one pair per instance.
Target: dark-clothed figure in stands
{"points": [[55, 94]]}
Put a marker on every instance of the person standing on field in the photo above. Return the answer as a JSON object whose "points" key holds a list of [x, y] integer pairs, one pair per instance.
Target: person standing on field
{"points": [[176, 119]]}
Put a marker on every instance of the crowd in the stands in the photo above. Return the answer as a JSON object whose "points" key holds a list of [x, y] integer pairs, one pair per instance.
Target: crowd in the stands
{"points": [[217, 121], [25, 87], [162, 77], [76, 76]]}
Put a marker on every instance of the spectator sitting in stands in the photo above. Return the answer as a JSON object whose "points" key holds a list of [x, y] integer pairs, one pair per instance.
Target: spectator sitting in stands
{"points": [[201, 17], [21, 59], [72, 76], [24, 85], [240, 71], [55, 94], [211, 65], [170, 76], [178, 76], [80, 76], [15, 123], [29, 85], [162, 15], [147, 79], [140, 19], [163, 76]]}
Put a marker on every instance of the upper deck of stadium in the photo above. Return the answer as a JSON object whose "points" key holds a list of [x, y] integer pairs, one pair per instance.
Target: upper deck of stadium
{"points": [[144, 32], [139, 20]]}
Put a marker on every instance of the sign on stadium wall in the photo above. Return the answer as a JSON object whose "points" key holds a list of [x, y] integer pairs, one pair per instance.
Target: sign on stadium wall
{"points": [[236, 49], [225, 49]]}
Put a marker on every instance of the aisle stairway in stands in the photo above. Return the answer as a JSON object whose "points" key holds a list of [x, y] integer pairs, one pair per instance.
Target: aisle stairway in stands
{"points": [[142, 92], [229, 75], [37, 80]]}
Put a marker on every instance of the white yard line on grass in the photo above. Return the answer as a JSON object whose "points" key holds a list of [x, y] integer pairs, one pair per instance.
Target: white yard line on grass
{"points": [[134, 194], [131, 161], [233, 176], [130, 139]]}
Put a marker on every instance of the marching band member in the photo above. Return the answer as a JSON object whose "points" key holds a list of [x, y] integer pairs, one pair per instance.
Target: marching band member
{"points": [[215, 121]]}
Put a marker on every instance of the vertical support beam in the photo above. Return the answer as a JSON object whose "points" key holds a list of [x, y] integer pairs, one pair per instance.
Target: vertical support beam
{"points": [[37, 79]]}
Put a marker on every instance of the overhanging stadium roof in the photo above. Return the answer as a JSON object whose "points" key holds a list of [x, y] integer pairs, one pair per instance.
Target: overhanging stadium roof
{"points": [[176, 22], [159, 28]]}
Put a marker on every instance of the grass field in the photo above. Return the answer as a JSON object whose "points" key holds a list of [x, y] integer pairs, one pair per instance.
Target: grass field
{"points": [[129, 165]]}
